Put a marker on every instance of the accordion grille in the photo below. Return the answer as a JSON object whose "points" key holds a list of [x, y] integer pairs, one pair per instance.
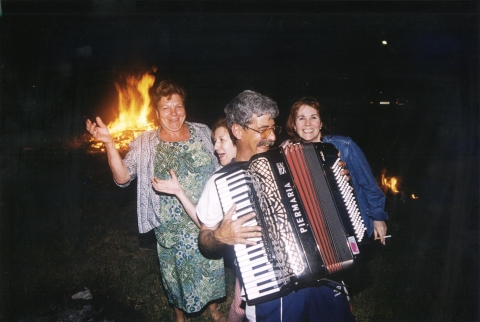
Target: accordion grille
{"points": [[279, 234]]}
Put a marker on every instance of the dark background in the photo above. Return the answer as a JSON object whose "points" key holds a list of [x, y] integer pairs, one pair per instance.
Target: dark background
{"points": [[59, 62]]}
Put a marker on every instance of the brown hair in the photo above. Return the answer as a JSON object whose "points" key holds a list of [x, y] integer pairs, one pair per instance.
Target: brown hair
{"points": [[167, 88], [222, 122], [290, 126]]}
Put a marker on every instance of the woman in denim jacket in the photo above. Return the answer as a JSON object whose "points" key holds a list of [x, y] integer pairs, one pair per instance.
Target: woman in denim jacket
{"points": [[304, 124]]}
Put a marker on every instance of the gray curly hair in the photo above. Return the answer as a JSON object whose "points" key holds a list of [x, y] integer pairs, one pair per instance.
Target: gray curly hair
{"points": [[241, 109]]}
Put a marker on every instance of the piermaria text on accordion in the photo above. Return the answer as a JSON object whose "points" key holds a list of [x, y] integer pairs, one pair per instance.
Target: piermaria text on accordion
{"points": [[299, 218]]}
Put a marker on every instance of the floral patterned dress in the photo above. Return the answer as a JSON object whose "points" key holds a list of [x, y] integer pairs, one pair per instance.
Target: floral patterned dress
{"points": [[190, 280]]}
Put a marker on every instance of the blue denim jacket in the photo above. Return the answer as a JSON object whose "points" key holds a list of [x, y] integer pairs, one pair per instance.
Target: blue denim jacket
{"points": [[371, 199]]}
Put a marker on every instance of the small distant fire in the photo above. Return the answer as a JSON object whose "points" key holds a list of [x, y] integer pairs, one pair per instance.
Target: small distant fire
{"points": [[390, 185], [134, 110]]}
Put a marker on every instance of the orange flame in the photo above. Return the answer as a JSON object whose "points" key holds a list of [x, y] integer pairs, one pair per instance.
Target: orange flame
{"points": [[389, 183], [134, 108]]}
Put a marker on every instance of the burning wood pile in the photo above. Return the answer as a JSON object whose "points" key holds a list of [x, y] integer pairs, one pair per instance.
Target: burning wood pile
{"points": [[134, 110]]}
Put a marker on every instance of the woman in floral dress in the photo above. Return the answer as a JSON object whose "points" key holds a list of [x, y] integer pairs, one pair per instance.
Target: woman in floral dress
{"points": [[185, 149]]}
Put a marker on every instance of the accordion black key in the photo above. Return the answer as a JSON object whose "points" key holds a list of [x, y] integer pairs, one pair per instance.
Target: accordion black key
{"points": [[311, 223]]}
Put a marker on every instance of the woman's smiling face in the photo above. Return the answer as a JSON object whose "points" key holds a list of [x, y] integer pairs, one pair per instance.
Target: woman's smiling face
{"points": [[171, 113], [223, 145], [308, 124]]}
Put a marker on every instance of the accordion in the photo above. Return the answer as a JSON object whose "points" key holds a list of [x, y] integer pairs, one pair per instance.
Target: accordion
{"points": [[310, 221]]}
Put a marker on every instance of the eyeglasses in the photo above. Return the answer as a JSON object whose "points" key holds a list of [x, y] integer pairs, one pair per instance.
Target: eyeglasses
{"points": [[266, 132]]}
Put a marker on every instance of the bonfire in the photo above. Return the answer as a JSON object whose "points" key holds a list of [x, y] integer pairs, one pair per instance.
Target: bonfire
{"points": [[133, 111]]}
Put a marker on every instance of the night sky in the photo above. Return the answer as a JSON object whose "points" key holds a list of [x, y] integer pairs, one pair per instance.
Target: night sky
{"points": [[59, 62]]}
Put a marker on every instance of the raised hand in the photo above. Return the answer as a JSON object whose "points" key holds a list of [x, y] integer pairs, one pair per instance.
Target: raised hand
{"points": [[171, 186], [99, 130]]}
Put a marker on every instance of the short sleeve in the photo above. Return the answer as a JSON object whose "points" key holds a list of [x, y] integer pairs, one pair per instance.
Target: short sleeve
{"points": [[209, 209]]}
